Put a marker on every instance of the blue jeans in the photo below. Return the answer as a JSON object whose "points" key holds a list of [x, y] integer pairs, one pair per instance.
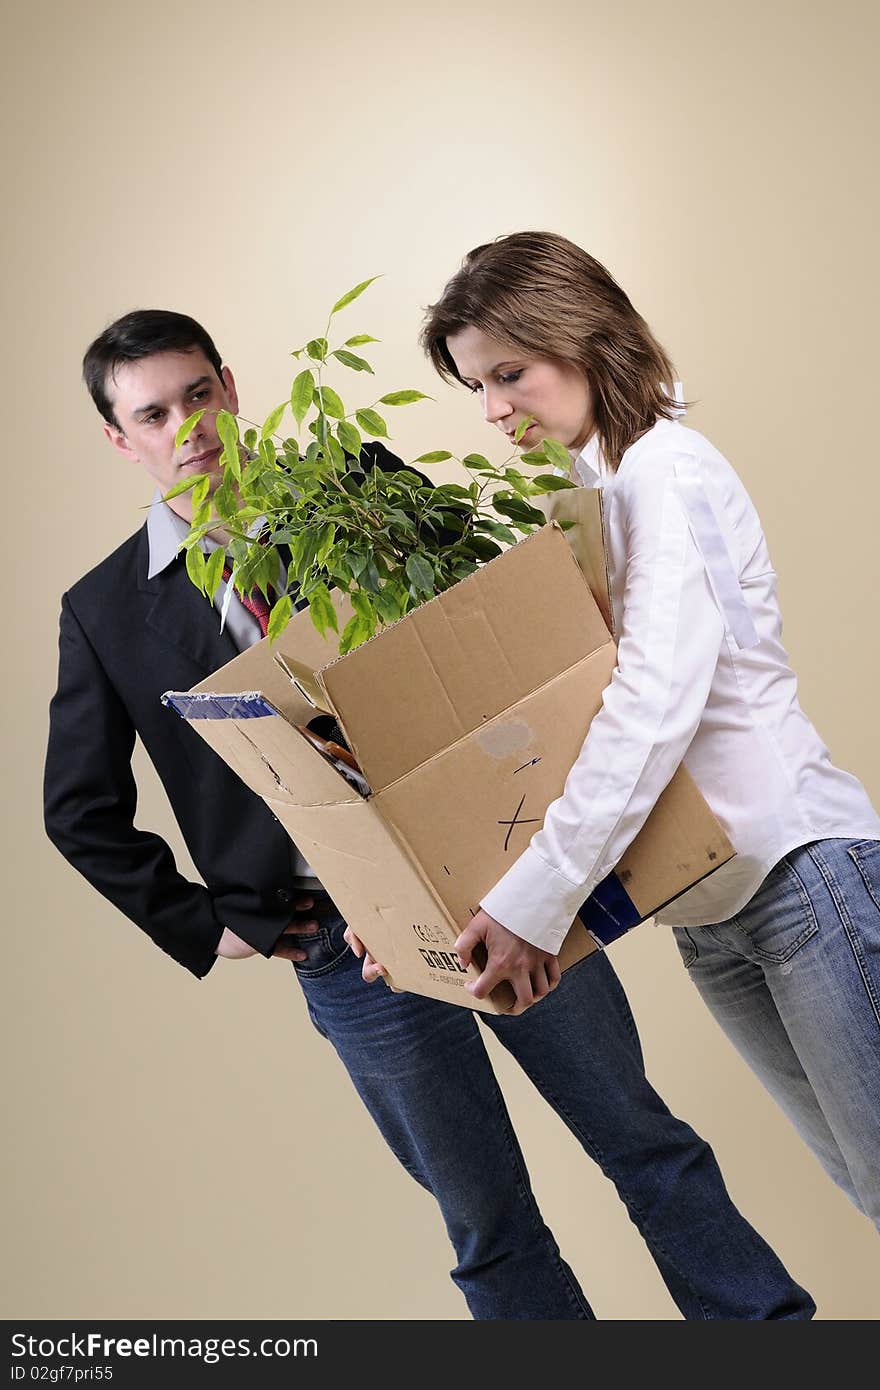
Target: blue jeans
{"points": [[794, 981], [422, 1070]]}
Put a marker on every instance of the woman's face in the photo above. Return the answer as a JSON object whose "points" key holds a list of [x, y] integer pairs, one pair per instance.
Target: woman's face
{"points": [[513, 385]]}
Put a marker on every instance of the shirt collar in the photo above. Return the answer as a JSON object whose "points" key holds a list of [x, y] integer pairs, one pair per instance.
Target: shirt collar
{"points": [[588, 462], [165, 531]]}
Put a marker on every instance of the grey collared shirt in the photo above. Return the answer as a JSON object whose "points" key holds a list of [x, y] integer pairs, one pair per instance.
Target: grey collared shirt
{"points": [[165, 531]]}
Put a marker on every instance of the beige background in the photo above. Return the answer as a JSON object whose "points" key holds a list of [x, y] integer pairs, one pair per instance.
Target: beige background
{"points": [[182, 1149]]}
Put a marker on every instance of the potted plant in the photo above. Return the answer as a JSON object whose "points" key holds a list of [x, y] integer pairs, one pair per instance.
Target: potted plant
{"points": [[387, 537]]}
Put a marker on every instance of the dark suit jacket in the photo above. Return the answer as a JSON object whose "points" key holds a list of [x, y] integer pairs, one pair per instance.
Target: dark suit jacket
{"points": [[124, 640]]}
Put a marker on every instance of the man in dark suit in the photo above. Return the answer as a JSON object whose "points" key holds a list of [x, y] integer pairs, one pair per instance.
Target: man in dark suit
{"points": [[134, 627]]}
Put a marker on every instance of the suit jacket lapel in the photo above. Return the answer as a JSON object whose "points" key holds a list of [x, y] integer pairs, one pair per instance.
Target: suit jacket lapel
{"points": [[182, 617]]}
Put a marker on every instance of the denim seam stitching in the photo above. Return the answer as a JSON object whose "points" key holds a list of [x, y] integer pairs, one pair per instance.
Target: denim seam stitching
{"points": [[859, 861], [849, 928]]}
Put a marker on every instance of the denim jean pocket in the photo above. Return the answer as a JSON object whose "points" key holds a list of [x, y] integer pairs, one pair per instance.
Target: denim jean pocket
{"points": [[687, 947], [325, 949], [780, 918], [865, 854]]}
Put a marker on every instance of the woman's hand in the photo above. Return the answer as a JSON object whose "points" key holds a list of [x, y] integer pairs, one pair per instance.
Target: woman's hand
{"points": [[532, 973]]}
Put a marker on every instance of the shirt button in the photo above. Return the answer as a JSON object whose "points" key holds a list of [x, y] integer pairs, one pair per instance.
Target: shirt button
{"points": [[283, 895]]}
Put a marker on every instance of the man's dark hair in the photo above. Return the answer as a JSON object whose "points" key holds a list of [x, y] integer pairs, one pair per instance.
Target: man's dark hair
{"points": [[142, 333]]}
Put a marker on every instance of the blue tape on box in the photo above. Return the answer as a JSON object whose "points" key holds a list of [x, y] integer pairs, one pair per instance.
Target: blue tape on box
{"points": [[609, 911], [204, 704]]}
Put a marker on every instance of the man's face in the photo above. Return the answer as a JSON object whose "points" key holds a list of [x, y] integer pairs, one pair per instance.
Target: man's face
{"points": [[152, 398]]}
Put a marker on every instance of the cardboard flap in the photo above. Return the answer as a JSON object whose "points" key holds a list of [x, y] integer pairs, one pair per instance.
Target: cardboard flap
{"points": [[306, 681], [269, 754], [464, 657], [583, 506]]}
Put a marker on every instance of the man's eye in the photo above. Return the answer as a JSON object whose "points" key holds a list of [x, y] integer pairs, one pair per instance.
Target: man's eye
{"points": [[153, 419], [200, 395]]}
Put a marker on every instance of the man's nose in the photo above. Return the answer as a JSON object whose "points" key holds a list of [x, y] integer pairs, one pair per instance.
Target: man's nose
{"points": [[496, 406]]}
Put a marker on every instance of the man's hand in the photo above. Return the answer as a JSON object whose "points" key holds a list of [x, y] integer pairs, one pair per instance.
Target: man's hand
{"points": [[233, 948], [533, 973], [371, 969]]}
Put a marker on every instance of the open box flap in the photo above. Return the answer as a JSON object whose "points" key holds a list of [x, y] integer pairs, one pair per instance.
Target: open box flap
{"points": [[584, 507], [464, 656]]}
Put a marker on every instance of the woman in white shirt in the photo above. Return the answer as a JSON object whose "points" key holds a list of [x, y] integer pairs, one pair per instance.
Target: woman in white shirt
{"points": [[783, 942]]}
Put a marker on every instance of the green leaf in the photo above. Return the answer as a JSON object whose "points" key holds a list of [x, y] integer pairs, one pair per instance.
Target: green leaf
{"points": [[351, 359], [369, 577], [250, 440], [557, 453], [403, 397], [522, 427], [336, 452], [321, 609], [420, 574], [279, 617], [326, 537], [357, 560], [195, 566], [477, 461], [227, 428], [388, 604], [352, 294], [301, 393], [363, 605], [360, 339], [273, 420], [329, 402], [187, 427], [518, 511], [551, 482], [355, 632], [225, 502], [183, 486], [436, 456], [498, 529], [536, 456], [483, 547], [200, 491], [349, 437], [317, 349], [372, 423], [214, 571]]}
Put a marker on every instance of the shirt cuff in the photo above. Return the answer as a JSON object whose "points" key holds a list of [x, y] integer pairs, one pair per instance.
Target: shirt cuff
{"points": [[535, 902]]}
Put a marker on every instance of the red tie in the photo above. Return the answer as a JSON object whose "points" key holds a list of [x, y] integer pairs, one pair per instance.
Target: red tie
{"points": [[253, 602]]}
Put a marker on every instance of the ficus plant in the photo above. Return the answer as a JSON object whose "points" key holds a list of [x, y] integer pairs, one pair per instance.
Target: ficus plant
{"points": [[385, 537]]}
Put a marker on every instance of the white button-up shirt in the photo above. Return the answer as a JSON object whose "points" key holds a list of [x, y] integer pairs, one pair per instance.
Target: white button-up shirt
{"points": [[701, 678]]}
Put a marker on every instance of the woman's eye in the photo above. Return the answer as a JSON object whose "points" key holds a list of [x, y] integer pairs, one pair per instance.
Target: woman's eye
{"points": [[474, 387], [510, 377]]}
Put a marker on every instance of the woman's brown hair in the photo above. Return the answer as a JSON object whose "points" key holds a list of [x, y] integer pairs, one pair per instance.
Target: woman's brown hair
{"points": [[547, 297]]}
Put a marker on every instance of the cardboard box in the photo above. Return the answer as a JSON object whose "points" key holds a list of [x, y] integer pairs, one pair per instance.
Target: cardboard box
{"points": [[465, 718]]}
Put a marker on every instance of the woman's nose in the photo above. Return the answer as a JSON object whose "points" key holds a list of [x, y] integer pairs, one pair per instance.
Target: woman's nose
{"points": [[495, 405]]}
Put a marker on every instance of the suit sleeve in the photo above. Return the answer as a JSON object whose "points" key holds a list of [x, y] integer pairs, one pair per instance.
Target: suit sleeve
{"points": [[90, 799]]}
